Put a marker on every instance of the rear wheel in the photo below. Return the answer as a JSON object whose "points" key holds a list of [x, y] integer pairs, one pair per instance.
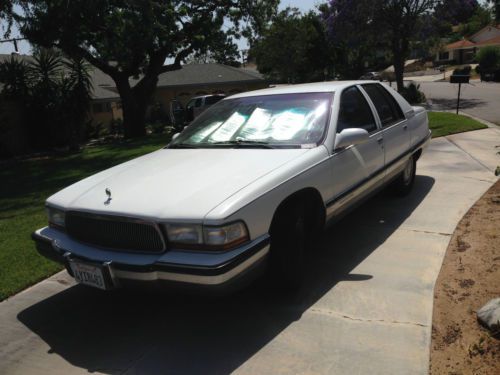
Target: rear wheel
{"points": [[288, 236], [404, 182]]}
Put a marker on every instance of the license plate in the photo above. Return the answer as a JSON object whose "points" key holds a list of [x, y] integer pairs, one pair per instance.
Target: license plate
{"points": [[88, 274]]}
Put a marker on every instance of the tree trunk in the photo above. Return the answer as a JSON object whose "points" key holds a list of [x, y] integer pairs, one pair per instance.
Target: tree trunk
{"points": [[135, 101], [399, 67], [400, 48], [134, 116]]}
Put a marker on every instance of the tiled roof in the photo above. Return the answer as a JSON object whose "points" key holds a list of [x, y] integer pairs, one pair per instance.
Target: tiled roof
{"points": [[203, 74], [464, 43], [490, 42]]}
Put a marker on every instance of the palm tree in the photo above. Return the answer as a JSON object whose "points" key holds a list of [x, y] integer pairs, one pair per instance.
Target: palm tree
{"points": [[14, 77], [77, 88]]}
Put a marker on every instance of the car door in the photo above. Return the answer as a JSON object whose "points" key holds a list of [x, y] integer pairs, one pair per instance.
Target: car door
{"points": [[356, 170], [394, 124]]}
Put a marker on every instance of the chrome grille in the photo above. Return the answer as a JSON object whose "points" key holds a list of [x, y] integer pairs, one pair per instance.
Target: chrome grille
{"points": [[114, 232]]}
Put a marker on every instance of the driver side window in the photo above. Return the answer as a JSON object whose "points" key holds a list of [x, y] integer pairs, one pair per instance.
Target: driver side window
{"points": [[355, 112]]}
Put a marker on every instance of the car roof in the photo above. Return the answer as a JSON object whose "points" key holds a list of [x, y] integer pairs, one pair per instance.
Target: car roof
{"points": [[206, 96], [301, 88]]}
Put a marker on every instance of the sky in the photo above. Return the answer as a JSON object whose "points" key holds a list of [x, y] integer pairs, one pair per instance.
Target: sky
{"points": [[303, 5]]}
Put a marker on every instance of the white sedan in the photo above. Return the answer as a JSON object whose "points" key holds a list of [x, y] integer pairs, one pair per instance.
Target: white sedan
{"points": [[248, 184]]}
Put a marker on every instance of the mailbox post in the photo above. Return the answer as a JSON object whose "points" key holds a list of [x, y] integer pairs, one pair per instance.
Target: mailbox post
{"points": [[459, 78]]}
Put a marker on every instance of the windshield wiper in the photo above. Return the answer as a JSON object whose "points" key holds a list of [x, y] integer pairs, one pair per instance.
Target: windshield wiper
{"points": [[182, 145], [244, 143]]}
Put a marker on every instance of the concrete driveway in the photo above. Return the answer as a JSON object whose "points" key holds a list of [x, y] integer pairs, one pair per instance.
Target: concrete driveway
{"points": [[366, 306]]}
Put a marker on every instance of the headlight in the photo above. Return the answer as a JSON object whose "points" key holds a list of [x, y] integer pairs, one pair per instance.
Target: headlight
{"points": [[194, 236], [56, 217], [184, 234], [226, 236]]}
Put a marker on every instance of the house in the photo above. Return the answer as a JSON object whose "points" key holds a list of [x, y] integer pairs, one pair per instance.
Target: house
{"points": [[202, 79], [179, 85], [105, 107], [464, 51]]}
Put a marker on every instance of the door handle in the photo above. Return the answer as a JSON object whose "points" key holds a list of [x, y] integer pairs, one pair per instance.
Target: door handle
{"points": [[380, 140], [405, 127]]}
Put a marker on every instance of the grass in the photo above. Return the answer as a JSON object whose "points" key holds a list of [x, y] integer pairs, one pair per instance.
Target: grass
{"points": [[25, 186], [446, 123]]}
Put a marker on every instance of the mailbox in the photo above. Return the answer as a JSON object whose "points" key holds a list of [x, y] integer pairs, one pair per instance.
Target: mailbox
{"points": [[458, 78]]}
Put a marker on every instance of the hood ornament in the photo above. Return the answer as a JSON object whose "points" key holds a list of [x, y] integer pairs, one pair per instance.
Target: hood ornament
{"points": [[108, 193]]}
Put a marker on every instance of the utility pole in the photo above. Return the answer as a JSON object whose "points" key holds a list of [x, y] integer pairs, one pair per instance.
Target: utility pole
{"points": [[14, 41]]}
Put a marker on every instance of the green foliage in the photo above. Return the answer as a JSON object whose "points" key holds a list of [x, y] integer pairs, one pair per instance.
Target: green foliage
{"points": [[26, 185], [413, 94], [489, 58], [479, 19], [293, 49], [446, 123], [463, 71], [53, 93]]}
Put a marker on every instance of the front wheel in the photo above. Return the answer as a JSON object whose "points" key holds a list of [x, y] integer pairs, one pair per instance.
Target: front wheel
{"points": [[404, 182], [287, 248]]}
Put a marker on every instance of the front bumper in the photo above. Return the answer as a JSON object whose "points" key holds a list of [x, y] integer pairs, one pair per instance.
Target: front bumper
{"points": [[176, 266]]}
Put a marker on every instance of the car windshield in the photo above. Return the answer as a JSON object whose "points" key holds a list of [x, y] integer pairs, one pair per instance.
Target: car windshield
{"points": [[270, 121]]}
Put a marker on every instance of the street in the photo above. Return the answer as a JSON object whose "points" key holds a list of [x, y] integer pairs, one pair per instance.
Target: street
{"points": [[479, 99]]}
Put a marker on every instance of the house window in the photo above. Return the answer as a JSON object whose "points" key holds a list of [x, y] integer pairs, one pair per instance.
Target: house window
{"points": [[444, 55], [101, 107]]}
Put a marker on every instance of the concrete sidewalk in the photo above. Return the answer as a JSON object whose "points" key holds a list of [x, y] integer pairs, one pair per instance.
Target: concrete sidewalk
{"points": [[366, 306]]}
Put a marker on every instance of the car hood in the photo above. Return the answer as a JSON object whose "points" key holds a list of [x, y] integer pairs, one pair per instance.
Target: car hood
{"points": [[180, 184]]}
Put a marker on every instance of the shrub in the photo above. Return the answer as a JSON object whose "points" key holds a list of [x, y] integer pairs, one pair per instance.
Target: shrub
{"points": [[463, 71], [413, 94], [489, 58]]}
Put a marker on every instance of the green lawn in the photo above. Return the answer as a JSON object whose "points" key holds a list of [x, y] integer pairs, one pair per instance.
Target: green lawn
{"points": [[23, 189], [445, 123]]}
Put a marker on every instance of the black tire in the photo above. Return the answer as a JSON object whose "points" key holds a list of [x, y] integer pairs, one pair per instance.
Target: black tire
{"points": [[288, 238], [406, 179]]}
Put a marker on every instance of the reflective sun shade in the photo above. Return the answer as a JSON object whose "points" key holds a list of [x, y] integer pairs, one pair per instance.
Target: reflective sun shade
{"points": [[285, 120]]}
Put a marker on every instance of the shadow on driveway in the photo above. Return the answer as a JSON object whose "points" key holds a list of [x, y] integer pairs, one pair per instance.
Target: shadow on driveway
{"points": [[166, 333]]}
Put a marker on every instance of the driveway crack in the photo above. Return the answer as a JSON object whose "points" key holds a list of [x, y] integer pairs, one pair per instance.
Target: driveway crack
{"points": [[427, 231], [357, 319]]}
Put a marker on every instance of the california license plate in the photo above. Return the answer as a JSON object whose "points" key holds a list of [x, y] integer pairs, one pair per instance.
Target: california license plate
{"points": [[88, 274]]}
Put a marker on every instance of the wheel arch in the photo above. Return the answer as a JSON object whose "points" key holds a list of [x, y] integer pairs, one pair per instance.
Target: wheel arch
{"points": [[314, 208]]}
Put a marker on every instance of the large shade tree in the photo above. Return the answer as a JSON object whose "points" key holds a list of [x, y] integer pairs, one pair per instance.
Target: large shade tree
{"points": [[293, 49], [139, 38], [393, 22]]}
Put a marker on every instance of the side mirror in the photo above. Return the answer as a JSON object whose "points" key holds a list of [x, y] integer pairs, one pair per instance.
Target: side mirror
{"points": [[175, 136], [352, 136]]}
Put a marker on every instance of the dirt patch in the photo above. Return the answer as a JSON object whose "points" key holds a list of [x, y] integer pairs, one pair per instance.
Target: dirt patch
{"points": [[469, 277]]}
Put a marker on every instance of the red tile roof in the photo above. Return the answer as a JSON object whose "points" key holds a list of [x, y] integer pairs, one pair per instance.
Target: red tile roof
{"points": [[464, 43]]}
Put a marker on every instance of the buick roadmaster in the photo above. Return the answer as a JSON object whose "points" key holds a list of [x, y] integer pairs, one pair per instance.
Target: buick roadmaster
{"points": [[245, 187]]}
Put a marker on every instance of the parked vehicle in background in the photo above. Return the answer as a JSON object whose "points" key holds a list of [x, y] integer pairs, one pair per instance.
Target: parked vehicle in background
{"points": [[177, 115], [198, 104], [249, 183], [374, 76]]}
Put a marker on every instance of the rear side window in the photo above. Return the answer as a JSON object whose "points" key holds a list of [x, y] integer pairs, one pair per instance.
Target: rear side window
{"points": [[198, 102], [387, 108], [354, 111]]}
